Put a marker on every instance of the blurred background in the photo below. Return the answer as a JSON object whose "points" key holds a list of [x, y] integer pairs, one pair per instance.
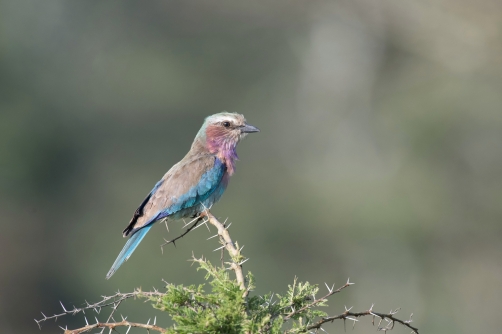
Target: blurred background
{"points": [[379, 156]]}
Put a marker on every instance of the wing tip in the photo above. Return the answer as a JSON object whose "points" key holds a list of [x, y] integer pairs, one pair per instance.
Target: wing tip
{"points": [[127, 231]]}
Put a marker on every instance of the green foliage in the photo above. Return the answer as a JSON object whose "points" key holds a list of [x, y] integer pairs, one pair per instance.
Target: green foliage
{"points": [[225, 309]]}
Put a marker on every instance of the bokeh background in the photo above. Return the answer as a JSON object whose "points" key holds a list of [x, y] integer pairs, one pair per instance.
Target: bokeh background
{"points": [[379, 157]]}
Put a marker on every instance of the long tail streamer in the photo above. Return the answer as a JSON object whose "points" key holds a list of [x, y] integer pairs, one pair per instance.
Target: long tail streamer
{"points": [[128, 249]]}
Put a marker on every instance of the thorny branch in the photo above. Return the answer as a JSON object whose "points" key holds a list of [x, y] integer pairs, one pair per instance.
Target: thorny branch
{"points": [[233, 250], [225, 240], [113, 301], [112, 325], [347, 315]]}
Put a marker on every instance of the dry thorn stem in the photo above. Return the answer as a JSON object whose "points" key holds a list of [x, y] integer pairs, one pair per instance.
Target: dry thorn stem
{"points": [[347, 314], [113, 325], [113, 301], [231, 248]]}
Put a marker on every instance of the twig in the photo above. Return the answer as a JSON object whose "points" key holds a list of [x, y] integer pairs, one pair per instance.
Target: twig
{"points": [[112, 325], [173, 241]]}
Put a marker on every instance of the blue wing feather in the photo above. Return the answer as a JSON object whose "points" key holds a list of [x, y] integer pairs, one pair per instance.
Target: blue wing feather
{"points": [[208, 190], [197, 195]]}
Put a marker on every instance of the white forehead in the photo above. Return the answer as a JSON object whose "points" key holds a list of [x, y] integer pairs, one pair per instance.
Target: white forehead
{"points": [[226, 116]]}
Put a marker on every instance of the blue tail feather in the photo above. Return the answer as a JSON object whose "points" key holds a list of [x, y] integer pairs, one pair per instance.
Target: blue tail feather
{"points": [[128, 249]]}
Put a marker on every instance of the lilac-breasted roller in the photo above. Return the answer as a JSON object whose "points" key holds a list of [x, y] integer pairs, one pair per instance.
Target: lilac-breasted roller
{"points": [[193, 184]]}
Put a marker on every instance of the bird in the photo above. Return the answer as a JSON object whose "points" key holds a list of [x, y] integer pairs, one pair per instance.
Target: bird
{"points": [[193, 184]]}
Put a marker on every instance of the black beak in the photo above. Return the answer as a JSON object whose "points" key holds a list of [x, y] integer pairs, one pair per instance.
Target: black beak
{"points": [[249, 128]]}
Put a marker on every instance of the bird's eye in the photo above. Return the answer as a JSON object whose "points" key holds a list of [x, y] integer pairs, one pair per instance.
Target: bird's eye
{"points": [[226, 124]]}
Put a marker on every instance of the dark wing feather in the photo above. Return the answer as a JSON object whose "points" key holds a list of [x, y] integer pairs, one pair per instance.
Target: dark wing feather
{"points": [[139, 211]]}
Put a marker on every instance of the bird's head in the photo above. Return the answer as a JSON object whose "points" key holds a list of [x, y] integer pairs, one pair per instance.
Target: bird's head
{"points": [[222, 132]]}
